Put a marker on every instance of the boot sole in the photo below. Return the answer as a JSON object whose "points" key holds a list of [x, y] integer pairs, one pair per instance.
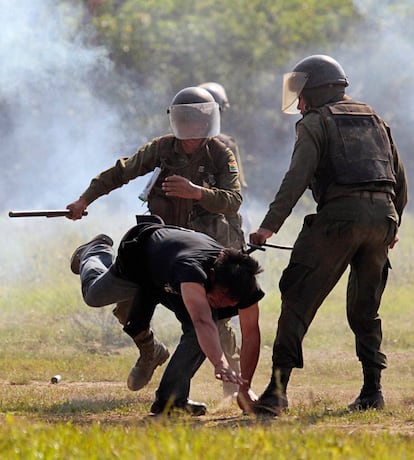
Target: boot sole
{"points": [[75, 259]]}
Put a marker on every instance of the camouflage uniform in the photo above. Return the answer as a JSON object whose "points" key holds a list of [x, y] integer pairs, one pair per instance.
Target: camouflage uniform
{"points": [[227, 335], [231, 143], [214, 168]]}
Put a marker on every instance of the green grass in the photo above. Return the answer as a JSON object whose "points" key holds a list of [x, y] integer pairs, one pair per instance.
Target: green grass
{"points": [[46, 329], [186, 440]]}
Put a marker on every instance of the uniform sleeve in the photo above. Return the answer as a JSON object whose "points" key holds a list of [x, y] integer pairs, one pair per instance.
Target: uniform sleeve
{"points": [[124, 170], [225, 196], [400, 188], [305, 159], [232, 144]]}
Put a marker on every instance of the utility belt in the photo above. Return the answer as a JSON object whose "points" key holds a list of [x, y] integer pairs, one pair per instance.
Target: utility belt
{"points": [[384, 196]]}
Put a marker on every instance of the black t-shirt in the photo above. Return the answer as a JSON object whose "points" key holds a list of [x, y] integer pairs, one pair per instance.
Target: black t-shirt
{"points": [[169, 256]]}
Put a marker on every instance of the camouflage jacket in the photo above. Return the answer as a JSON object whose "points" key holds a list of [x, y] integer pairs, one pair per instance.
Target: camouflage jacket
{"points": [[213, 167]]}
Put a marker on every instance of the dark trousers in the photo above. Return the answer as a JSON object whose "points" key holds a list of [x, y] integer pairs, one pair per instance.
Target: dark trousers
{"points": [[187, 358], [351, 231]]}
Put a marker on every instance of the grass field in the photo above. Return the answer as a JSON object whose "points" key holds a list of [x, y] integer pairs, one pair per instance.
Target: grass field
{"points": [[45, 329]]}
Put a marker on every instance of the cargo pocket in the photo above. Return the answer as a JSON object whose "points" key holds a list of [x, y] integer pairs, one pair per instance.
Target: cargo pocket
{"points": [[340, 223], [292, 279], [392, 230]]}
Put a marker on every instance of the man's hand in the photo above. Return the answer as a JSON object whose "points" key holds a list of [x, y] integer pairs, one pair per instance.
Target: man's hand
{"points": [[246, 399], [260, 236], [391, 246], [226, 374], [181, 187], [76, 208], [195, 300]]}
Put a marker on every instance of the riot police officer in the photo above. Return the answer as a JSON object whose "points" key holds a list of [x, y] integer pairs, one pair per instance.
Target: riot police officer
{"points": [[198, 188], [345, 154]]}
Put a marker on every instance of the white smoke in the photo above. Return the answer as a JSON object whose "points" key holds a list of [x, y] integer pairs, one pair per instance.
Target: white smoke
{"points": [[57, 129], [379, 64], [60, 126]]}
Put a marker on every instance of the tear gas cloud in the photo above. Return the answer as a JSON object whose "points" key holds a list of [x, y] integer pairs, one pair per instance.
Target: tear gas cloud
{"points": [[58, 130], [379, 65]]}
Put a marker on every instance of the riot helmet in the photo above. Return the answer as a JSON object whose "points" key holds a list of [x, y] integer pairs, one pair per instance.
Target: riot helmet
{"points": [[312, 72], [218, 92], [194, 114]]}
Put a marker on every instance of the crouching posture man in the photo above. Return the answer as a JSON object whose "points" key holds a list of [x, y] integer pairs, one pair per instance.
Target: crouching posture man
{"points": [[193, 276]]}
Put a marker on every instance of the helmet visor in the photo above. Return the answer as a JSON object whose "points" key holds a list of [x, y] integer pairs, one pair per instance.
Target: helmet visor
{"points": [[293, 84], [195, 121]]}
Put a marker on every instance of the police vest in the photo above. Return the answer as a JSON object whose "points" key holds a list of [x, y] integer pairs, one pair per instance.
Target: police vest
{"points": [[358, 149], [200, 168]]}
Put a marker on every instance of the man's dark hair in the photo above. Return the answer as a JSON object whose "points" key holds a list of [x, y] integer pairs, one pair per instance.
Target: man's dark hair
{"points": [[236, 272]]}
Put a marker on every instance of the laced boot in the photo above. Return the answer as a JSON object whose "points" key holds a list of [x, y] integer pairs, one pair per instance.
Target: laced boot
{"points": [[370, 396], [152, 354], [189, 407], [274, 400]]}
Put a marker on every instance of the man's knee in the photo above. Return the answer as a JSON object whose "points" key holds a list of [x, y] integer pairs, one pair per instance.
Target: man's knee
{"points": [[93, 300], [363, 322]]}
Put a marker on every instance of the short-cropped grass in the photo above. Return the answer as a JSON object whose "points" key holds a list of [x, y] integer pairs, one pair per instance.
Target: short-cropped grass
{"points": [[46, 329]]}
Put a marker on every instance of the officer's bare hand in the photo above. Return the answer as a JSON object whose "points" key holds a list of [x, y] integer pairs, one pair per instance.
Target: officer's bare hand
{"points": [[396, 239], [76, 209], [181, 187], [246, 399], [260, 236], [226, 374]]}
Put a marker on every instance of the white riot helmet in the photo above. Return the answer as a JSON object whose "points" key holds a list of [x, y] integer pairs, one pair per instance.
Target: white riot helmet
{"points": [[218, 92]]}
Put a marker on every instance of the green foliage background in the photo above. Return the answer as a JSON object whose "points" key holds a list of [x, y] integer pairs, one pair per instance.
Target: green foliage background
{"points": [[161, 46], [185, 40], [245, 45]]}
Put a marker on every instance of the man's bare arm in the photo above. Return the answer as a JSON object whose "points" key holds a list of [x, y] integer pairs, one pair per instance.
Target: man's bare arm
{"points": [[250, 346], [195, 299], [249, 355]]}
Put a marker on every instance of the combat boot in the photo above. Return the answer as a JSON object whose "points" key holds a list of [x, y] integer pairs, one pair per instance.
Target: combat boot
{"points": [[188, 407], [80, 251], [370, 396], [273, 401], [152, 354]]}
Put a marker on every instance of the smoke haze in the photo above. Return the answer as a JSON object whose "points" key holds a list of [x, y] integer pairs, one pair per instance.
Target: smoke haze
{"points": [[59, 127], [57, 130]]}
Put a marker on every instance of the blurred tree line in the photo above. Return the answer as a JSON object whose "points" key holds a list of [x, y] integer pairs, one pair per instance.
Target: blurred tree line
{"points": [[161, 46]]}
